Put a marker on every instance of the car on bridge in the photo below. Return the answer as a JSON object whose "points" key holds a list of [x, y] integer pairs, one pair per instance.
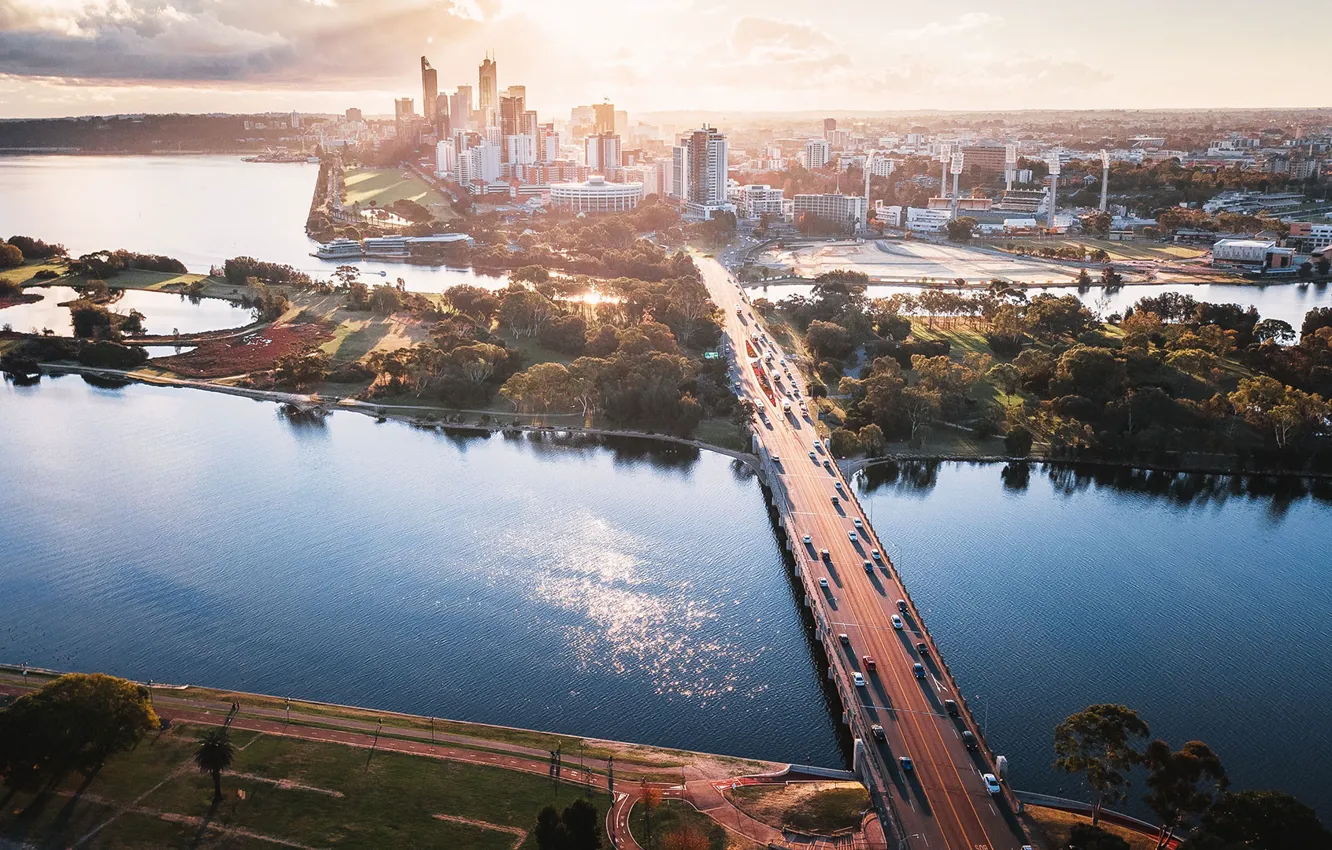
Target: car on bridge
{"points": [[823, 554], [991, 784], [877, 731], [951, 707], [868, 661], [857, 523], [918, 669], [901, 605], [969, 738], [869, 566], [851, 535], [823, 583], [844, 638], [897, 623], [908, 766], [923, 648], [807, 539], [874, 553], [858, 679]]}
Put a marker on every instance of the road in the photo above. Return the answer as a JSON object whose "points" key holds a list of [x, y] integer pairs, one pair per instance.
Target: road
{"points": [[943, 802]]}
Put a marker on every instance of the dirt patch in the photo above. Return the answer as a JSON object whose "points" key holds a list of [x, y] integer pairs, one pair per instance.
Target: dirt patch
{"points": [[250, 352], [815, 807], [1054, 825]]}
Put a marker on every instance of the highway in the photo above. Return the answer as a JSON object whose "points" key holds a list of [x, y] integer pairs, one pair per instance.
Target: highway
{"points": [[943, 801]]}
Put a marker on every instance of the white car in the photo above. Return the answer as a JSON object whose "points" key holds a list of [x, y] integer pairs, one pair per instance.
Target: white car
{"points": [[857, 523], [897, 622], [991, 784], [807, 539], [852, 535], [859, 680], [874, 553], [823, 582]]}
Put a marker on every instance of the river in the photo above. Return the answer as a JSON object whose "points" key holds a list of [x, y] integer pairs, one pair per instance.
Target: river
{"points": [[201, 210], [165, 313], [593, 589]]}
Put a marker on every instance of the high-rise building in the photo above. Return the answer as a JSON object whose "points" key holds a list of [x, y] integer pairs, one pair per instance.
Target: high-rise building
{"points": [[511, 109], [460, 108], [488, 92], [698, 169], [446, 157], [582, 116], [520, 150], [603, 154], [429, 91], [604, 118], [817, 153], [354, 116], [829, 124], [528, 126], [403, 108], [548, 143], [989, 159]]}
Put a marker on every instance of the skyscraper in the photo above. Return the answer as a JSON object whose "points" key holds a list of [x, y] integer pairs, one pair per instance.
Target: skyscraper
{"points": [[829, 124], [603, 154], [604, 118], [698, 169], [460, 108], [488, 92], [512, 105], [403, 108], [429, 91]]}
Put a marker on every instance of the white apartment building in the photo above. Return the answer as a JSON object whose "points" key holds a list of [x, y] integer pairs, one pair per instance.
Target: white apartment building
{"points": [[888, 215], [756, 199], [602, 153], [817, 153], [840, 209], [921, 220], [596, 195], [520, 150], [840, 140], [481, 163], [446, 157]]}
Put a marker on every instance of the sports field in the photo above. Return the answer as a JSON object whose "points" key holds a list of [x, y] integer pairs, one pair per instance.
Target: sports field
{"points": [[915, 261], [386, 185]]}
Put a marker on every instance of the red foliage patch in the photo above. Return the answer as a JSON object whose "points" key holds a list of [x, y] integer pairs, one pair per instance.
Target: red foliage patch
{"points": [[252, 352]]}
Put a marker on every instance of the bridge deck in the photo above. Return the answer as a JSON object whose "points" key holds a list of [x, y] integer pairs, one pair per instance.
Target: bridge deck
{"points": [[943, 802]]}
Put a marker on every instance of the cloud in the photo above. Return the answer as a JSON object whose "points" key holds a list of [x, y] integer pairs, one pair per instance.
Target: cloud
{"points": [[930, 33], [753, 33], [280, 41]]}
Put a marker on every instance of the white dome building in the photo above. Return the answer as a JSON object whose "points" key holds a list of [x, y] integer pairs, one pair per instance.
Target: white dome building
{"points": [[596, 195]]}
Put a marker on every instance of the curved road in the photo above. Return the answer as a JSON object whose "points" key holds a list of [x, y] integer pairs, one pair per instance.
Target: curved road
{"points": [[943, 802]]}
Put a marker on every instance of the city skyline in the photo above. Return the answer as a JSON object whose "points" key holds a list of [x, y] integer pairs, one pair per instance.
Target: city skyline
{"points": [[67, 57]]}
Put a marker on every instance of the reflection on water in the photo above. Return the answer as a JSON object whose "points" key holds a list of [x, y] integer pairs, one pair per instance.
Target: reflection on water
{"points": [[547, 581], [164, 312], [1051, 587]]}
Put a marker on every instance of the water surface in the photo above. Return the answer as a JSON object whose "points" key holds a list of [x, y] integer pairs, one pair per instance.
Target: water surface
{"points": [[164, 312]]}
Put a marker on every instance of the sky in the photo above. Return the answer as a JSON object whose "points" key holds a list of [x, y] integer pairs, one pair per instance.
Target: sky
{"points": [[83, 57]]}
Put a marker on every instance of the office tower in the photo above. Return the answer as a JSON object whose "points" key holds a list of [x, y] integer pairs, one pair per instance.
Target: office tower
{"points": [[460, 108], [698, 169], [354, 116], [446, 157], [403, 108], [488, 92], [604, 118], [548, 143], [511, 109], [829, 124], [528, 125], [582, 116], [429, 91], [603, 153], [520, 150]]}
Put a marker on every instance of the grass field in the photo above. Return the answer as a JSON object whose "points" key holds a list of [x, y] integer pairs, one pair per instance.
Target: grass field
{"points": [[818, 807], [673, 816], [386, 185], [24, 273], [1115, 250], [285, 790], [1055, 825]]}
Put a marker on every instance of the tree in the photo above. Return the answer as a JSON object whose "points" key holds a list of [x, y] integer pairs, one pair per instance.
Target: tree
{"points": [[1017, 442], [10, 256], [1324, 265], [871, 440], [921, 406], [213, 754], [1086, 837], [1062, 315], [1007, 378], [686, 837], [1318, 317], [583, 825], [480, 304], [1259, 820], [1097, 224], [1099, 743], [1274, 330], [550, 832], [843, 443], [960, 229], [1183, 783], [74, 723], [347, 275], [826, 339], [1268, 405]]}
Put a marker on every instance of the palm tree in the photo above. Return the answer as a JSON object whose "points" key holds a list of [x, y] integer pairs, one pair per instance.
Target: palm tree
{"points": [[213, 755]]}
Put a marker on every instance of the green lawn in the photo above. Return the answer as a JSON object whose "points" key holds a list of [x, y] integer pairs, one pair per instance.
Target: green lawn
{"points": [[1146, 250], [332, 796], [386, 185]]}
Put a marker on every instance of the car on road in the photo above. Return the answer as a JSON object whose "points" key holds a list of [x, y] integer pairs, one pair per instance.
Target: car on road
{"points": [[877, 731], [869, 566], [823, 553], [844, 638], [907, 765], [807, 539], [838, 485], [901, 605], [836, 501], [823, 583], [918, 669], [897, 622], [857, 523], [874, 553], [951, 707], [827, 466], [851, 535], [776, 459], [969, 738], [813, 457], [868, 661], [991, 784], [818, 447], [923, 648], [858, 679]]}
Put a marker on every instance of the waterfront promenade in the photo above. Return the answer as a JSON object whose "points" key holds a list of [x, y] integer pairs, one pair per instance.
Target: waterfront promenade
{"points": [[938, 799]]}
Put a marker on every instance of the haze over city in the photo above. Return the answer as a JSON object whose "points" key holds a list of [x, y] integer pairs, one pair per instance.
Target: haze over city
{"points": [[72, 57]]}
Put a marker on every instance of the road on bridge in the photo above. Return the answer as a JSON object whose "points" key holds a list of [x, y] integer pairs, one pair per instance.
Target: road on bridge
{"points": [[942, 802]]}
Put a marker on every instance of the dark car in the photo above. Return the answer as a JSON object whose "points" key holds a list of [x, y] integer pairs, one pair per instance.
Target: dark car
{"points": [[969, 739], [951, 707], [919, 670], [923, 648], [877, 731], [901, 605], [907, 765]]}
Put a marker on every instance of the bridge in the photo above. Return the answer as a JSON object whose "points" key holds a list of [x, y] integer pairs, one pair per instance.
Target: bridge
{"points": [[856, 597]]}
